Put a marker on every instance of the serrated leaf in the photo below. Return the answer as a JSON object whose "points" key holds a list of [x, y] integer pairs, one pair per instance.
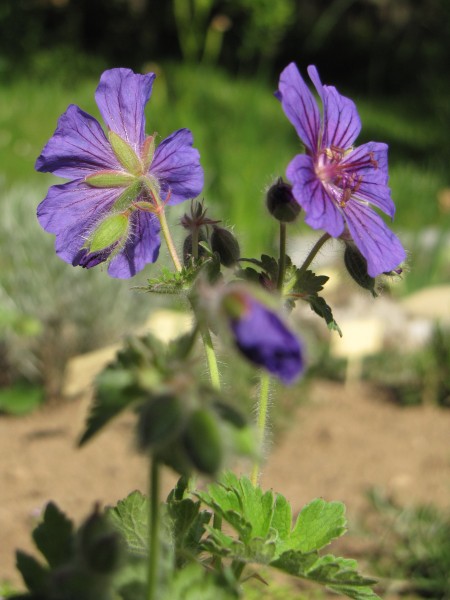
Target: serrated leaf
{"points": [[318, 523], [33, 573], [111, 397], [321, 308], [130, 518], [282, 517], [245, 507], [338, 574], [308, 282], [54, 536]]}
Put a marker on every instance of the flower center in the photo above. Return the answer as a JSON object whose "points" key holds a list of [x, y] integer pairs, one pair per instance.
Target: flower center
{"points": [[342, 179]]}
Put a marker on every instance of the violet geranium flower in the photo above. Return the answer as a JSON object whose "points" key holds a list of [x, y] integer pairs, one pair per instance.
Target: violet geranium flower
{"points": [[261, 335], [333, 182], [119, 180]]}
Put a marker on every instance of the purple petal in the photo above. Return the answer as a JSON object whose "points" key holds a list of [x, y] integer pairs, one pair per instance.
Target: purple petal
{"points": [[321, 210], [121, 97], [373, 187], [78, 147], [265, 340], [73, 203], [177, 167], [300, 106], [341, 122], [382, 249], [142, 247]]}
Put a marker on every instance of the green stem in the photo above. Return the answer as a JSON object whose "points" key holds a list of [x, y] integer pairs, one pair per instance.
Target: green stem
{"points": [[282, 256], [153, 542], [261, 422], [315, 249], [168, 238], [210, 357]]}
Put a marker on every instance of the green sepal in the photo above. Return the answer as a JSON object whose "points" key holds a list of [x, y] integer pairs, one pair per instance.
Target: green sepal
{"points": [[109, 179], [148, 150], [125, 154], [111, 230], [128, 196]]}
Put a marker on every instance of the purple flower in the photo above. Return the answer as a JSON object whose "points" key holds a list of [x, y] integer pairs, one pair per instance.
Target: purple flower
{"points": [[119, 180], [262, 336], [334, 182]]}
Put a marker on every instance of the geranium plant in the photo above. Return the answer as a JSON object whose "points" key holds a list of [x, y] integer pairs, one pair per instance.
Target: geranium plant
{"points": [[112, 212]]}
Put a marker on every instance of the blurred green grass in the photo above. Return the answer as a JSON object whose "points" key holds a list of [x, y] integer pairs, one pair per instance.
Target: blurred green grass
{"points": [[244, 139]]}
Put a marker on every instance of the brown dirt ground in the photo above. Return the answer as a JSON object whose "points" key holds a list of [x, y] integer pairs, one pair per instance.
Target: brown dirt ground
{"points": [[339, 444]]}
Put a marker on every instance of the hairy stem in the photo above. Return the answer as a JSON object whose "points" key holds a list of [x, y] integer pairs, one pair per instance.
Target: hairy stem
{"points": [[153, 542], [210, 357], [168, 239], [261, 423], [315, 249]]}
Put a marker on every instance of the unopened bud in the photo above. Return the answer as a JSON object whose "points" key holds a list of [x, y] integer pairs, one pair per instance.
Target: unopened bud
{"points": [[203, 443], [226, 245], [356, 265], [160, 419], [281, 203], [100, 545]]}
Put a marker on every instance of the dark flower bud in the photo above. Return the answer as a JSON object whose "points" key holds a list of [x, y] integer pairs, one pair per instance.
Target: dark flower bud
{"points": [[281, 203], [356, 266], [188, 250], [203, 443], [226, 245], [101, 546], [160, 420]]}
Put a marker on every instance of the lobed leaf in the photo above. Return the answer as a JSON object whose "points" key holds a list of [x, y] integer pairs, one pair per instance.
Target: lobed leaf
{"points": [[130, 518]]}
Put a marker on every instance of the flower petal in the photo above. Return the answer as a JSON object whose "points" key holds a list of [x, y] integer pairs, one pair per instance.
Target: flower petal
{"points": [[373, 187], [341, 122], [141, 248], [121, 97], [77, 148], [300, 106], [177, 167], [321, 210], [265, 340], [71, 211], [380, 247], [73, 202]]}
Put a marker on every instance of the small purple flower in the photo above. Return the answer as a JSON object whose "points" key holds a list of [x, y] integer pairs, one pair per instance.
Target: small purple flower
{"points": [[262, 336], [334, 182], [119, 182]]}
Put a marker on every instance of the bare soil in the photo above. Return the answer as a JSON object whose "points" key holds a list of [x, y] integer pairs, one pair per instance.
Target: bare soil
{"points": [[342, 442]]}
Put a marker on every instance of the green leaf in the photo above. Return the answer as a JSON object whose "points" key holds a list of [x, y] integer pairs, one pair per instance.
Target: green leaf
{"points": [[54, 536], [34, 574], [317, 525], [320, 307], [130, 518], [113, 395], [338, 574], [308, 282]]}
